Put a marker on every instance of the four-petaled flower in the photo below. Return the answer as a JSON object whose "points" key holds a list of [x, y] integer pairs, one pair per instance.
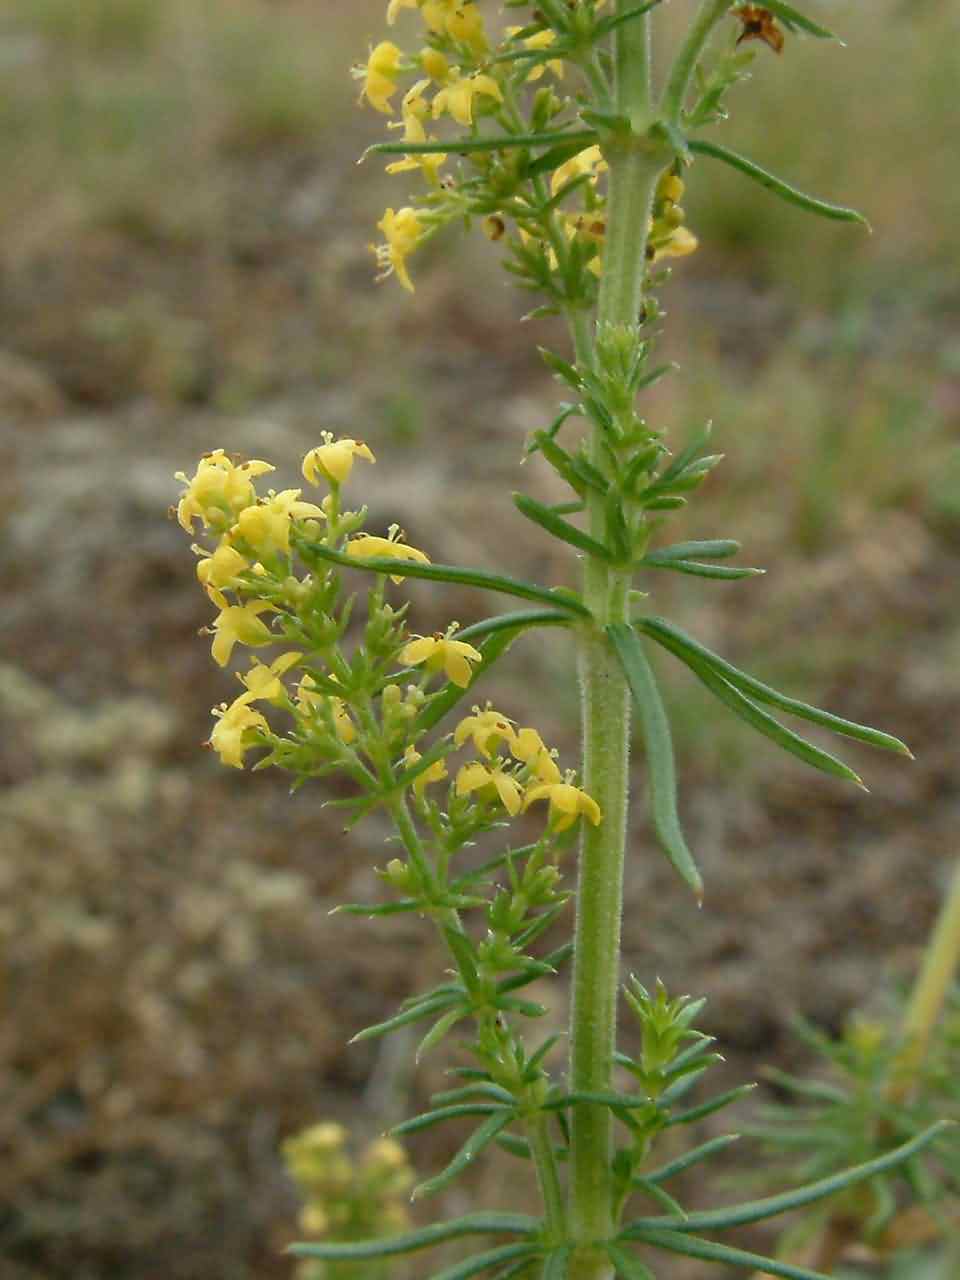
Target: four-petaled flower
{"points": [[368, 545], [476, 776], [265, 527], [456, 97], [567, 803], [263, 683], [218, 491], [220, 570], [380, 74], [529, 747], [240, 624], [227, 736], [401, 231], [487, 728], [333, 460], [435, 772], [443, 653]]}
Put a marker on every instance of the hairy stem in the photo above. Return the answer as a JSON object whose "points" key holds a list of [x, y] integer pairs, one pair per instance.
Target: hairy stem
{"points": [[634, 169]]}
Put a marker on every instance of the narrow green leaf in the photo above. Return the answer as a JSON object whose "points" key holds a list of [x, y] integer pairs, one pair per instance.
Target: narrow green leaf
{"points": [[839, 213], [793, 19], [467, 1153], [626, 1265], [479, 1224], [521, 1268], [675, 469], [478, 1089], [515, 1146], [441, 1114], [698, 570], [606, 25], [566, 411], [667, 503], [663, 1199], [692, 1157], [541, 1053], [710, 1251], [464, 954], [560, 528], [615, 1101], [684, 647], [484, 1261], [709, 549], [770, 1206], [438, 1032], [759, 719], [388, 566], [617, 530], [682, 1086], [522, 620], [564, 370], [817, 1089], [556, 1264], [502, 142], [413, 1014], [378, 909], [710, 1106], [659, 746]]}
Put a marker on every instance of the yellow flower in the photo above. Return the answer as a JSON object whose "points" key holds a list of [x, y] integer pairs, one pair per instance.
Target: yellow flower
{"points": [[589, 161], [456, 97], [530, 748], [394, 7], [266, 526], [218, 491], [442, 652], [310, 698], [435, 772], [227, 737], [487, 728], [333, 460], [681, 242], [240, 624], [465, 25], [380, 75], [567, 803], [220, 570], [476, 776], [367, 545], [435, 64], [263, 683], [402, 231], [413, 108], [436, 14], [542, 40]]}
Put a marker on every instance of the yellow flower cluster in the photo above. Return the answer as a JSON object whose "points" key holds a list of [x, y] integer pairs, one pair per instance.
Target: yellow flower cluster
{"points": [[355, 1198], [454, 66], [537, 778]]}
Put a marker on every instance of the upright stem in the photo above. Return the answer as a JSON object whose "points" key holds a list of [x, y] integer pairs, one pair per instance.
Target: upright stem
{"points": [[634, 169]]}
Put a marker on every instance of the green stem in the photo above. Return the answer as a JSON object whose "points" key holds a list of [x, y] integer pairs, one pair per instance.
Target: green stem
{"points": [[678, 81], [929, 993], [537, 1126], [634, 169], [548, 1176]]}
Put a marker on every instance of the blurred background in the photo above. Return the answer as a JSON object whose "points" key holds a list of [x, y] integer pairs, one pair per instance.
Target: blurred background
{"points": [[184, 264]]}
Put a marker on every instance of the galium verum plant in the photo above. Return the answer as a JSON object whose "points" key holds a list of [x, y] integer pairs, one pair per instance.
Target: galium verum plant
{"points": [[554, 133]]}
